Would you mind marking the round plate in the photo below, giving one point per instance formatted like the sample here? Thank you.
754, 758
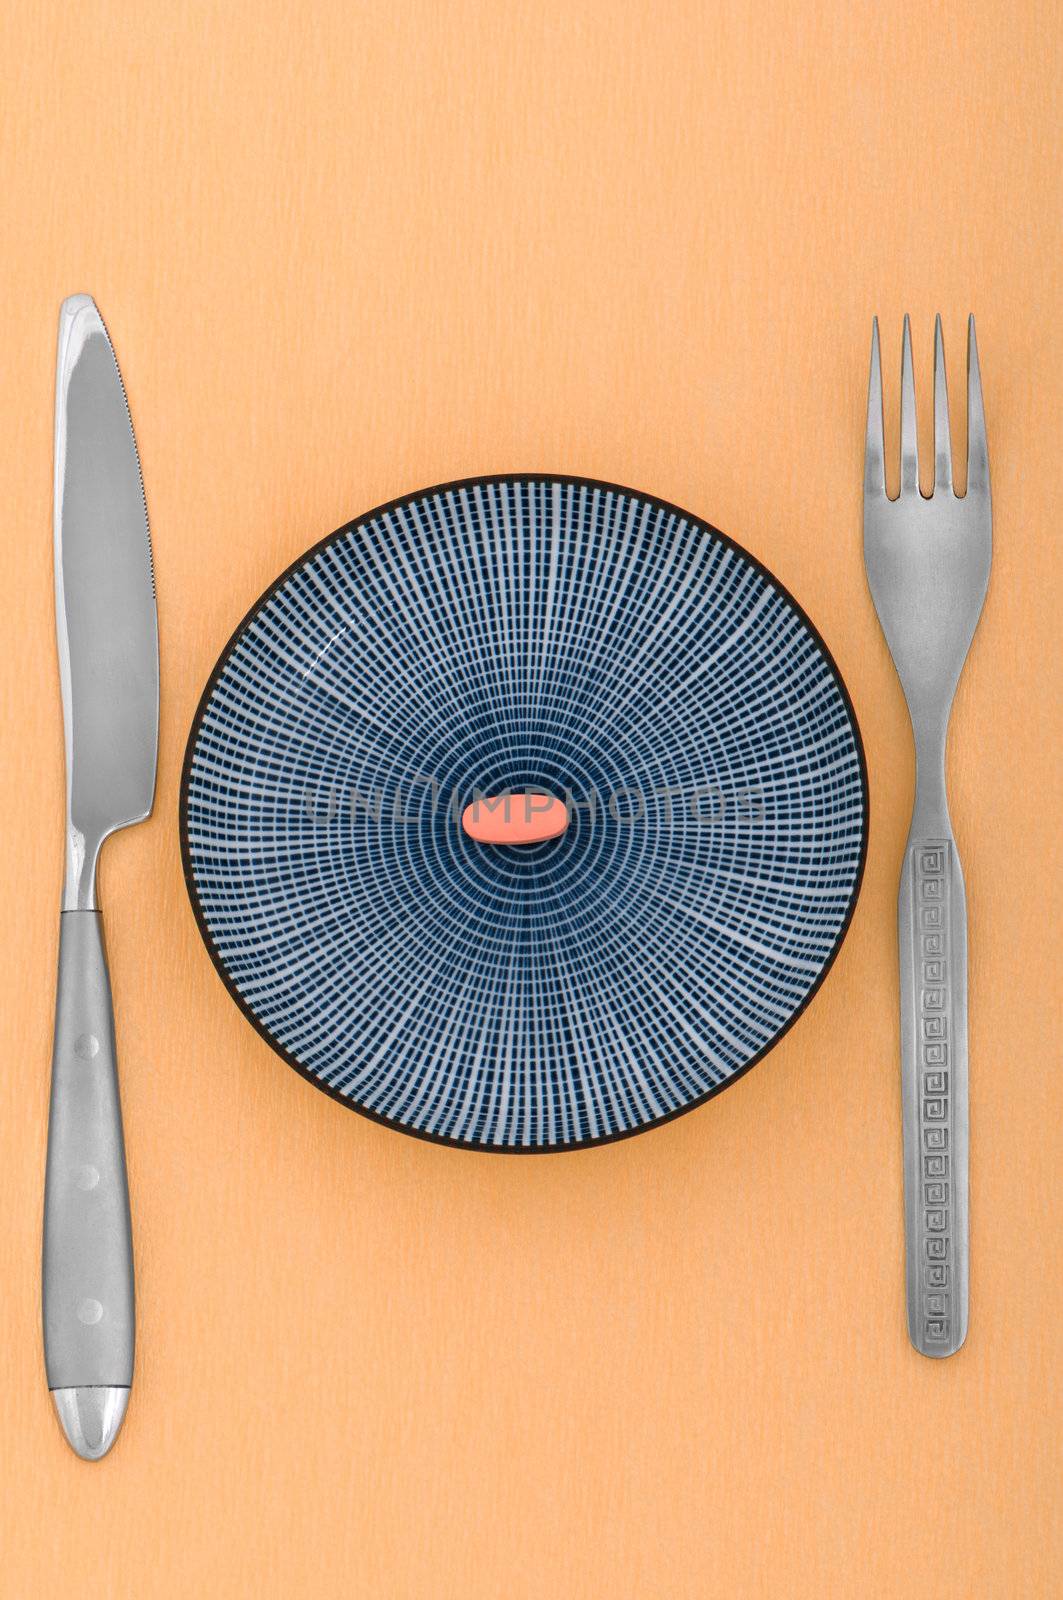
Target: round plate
524, 635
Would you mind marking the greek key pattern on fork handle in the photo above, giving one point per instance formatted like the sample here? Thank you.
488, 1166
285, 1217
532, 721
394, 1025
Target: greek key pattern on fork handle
934, 1057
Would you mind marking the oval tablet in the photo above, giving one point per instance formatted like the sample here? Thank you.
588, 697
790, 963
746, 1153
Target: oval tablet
515, 818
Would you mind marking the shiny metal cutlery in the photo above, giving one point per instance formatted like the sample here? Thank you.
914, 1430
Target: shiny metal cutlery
927, 561
109, 670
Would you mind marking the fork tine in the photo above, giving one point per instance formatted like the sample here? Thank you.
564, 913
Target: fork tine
977, 448
909, 439
942, 437
875, 451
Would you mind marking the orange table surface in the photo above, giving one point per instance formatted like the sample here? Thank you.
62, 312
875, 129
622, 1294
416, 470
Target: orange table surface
346, 251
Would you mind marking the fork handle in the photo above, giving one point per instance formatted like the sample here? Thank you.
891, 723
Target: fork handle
933, 972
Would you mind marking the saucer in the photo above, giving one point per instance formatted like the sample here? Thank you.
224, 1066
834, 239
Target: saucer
687, 813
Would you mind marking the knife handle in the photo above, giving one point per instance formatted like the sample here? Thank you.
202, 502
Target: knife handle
87, 1269
933, 971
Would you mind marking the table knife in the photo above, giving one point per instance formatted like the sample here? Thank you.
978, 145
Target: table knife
108, 647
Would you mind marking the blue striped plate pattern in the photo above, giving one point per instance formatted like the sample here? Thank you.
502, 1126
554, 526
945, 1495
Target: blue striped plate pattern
511, 634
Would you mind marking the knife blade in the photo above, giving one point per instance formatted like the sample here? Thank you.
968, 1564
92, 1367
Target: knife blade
107, 637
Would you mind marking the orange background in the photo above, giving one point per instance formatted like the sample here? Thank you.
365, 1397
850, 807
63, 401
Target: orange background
346, 251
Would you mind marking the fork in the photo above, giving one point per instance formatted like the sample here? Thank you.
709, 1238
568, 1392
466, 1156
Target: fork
927, 561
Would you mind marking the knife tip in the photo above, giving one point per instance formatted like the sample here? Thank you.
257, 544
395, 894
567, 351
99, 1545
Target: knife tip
78, 309
91, 1417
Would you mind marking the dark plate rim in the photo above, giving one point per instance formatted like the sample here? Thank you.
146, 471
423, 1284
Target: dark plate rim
219, 667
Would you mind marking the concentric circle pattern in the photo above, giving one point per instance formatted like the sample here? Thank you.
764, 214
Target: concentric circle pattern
510, 635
